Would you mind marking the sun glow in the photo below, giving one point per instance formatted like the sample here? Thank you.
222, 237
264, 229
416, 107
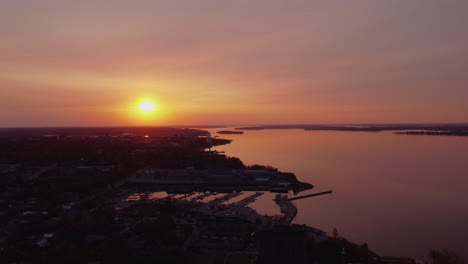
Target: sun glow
146, 106
144, 111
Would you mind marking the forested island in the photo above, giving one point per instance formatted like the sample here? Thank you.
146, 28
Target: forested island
407, 129
228, 132
433, 133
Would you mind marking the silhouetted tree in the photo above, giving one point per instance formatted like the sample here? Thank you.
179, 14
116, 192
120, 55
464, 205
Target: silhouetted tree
335, 233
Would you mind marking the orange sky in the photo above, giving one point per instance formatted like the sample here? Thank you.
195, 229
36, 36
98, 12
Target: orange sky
78, 63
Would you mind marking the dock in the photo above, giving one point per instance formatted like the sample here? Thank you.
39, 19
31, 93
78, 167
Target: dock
225, 198
249, 199
201, 196
185, 196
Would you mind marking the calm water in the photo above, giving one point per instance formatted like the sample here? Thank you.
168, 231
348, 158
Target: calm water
401, 194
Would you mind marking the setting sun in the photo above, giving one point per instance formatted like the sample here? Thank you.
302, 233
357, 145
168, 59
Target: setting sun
144, 110
146, 106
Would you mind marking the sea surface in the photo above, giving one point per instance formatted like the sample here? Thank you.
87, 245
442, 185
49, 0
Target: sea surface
403, 195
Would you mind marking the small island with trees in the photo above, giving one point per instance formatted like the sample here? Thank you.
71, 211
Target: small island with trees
231, 132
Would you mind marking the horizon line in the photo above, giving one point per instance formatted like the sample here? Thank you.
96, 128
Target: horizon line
230, 125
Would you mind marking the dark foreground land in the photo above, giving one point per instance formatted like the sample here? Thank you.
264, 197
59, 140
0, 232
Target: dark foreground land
138, 195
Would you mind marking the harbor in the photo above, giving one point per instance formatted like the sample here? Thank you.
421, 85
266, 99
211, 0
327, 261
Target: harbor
221, 204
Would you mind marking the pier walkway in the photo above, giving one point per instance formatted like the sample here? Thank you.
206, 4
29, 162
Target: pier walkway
185, 196
287, 208
249, 199
201, 196
225, 198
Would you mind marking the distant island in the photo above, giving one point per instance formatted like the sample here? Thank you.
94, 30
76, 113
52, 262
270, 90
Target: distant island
407, 129
433, 133
230, 132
